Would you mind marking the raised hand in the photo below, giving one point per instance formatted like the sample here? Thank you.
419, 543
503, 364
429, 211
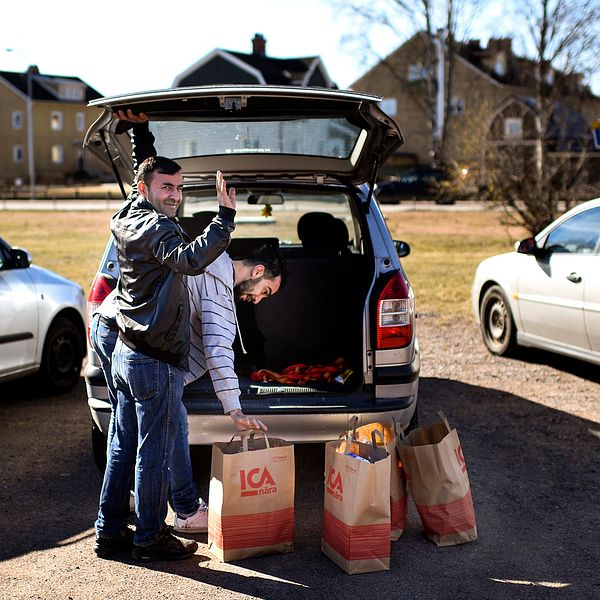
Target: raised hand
224, 197
130, 116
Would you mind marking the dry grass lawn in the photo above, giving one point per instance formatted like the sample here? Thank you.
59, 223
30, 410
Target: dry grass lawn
446, 247
69, 243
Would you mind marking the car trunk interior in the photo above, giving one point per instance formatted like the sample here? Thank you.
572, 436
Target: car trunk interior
316, 318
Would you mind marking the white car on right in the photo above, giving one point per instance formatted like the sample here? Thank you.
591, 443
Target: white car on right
546, 294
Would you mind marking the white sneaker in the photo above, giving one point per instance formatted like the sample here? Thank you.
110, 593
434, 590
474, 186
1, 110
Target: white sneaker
196, 523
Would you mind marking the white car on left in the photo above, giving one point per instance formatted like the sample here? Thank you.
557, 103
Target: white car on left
42, 323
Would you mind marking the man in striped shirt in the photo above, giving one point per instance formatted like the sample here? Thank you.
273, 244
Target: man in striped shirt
214, 322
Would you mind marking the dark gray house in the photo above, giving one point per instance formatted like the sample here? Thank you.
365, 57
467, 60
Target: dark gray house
224, 66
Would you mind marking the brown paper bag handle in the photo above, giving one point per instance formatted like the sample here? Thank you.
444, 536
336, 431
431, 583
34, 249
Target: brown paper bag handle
248, 433
377, 434
352, 425
400, 430
445, 420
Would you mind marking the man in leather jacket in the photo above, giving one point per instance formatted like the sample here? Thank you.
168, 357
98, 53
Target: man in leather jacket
151, 354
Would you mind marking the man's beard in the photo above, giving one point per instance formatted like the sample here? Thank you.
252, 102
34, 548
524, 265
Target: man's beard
245, 287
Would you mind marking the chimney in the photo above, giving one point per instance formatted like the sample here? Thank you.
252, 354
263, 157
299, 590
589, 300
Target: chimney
258, 44
500, 44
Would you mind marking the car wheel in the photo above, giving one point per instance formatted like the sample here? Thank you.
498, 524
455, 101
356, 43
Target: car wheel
62, 357
497, 324
99, 443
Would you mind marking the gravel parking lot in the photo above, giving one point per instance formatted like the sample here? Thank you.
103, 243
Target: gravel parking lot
530, 431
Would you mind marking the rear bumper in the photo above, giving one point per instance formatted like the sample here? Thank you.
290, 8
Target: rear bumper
296, 419
299, 428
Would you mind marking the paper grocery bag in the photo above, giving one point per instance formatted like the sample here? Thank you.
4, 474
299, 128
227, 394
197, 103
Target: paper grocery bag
356, 515
398, 498
438, 482
251, 498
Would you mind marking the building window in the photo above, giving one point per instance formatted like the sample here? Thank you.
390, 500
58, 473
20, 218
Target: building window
513, 128
389, 106
80, 121
56, 120
500, 67
17, 119
416, 72
71, 92
457, 105
18, 153
57, 155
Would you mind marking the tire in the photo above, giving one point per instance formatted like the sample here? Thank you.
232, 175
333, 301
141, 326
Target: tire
61, 358
497, 323
99, 443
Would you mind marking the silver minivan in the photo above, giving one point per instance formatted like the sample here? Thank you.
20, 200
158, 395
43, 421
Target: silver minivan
304, 162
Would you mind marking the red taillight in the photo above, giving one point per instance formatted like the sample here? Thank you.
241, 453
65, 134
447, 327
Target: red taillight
395, 313
99, 290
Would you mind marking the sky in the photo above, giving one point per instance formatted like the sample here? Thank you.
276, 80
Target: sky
143, 45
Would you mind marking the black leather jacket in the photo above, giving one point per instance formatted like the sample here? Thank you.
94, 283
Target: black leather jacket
155, 257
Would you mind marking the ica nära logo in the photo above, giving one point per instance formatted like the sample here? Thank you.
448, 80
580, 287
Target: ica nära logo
334, 484
257, 482
461, 459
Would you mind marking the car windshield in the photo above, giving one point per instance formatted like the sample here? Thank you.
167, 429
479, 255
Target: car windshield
326, 137
257, 218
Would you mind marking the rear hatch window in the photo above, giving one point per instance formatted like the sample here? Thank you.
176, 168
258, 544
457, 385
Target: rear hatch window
329, 138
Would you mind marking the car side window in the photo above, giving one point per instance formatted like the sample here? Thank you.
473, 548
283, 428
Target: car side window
579, 235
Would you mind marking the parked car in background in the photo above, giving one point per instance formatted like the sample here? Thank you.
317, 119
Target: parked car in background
42, 318
301, 161
546, 294
420, 183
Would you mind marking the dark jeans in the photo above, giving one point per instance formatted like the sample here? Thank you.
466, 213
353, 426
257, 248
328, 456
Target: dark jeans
150, 415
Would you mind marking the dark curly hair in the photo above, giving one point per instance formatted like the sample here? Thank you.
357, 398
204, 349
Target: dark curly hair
272, 260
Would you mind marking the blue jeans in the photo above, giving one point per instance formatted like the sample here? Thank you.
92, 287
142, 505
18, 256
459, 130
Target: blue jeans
121, 454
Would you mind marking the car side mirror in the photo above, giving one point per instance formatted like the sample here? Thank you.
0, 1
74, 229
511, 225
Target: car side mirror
527, 246
402, 248
21, 259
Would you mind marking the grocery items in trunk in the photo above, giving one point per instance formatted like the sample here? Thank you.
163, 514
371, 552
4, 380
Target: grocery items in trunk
303, 374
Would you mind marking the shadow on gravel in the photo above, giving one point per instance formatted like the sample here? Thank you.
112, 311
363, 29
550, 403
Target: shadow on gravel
579, 368
534, 473
49, 485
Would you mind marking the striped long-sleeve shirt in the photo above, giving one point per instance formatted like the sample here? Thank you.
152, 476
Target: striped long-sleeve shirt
213, 327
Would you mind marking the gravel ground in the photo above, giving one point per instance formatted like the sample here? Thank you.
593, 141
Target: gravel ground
530, 431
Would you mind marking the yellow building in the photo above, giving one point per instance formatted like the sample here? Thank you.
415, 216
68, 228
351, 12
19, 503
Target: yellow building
43, 119
490, 84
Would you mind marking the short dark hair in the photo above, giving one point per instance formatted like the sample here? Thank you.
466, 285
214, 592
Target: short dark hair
156, 164
272, 260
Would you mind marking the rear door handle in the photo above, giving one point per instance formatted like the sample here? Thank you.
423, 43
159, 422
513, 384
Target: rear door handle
574, 278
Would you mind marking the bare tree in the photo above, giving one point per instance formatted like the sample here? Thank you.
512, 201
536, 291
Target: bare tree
439, 22
546, 172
